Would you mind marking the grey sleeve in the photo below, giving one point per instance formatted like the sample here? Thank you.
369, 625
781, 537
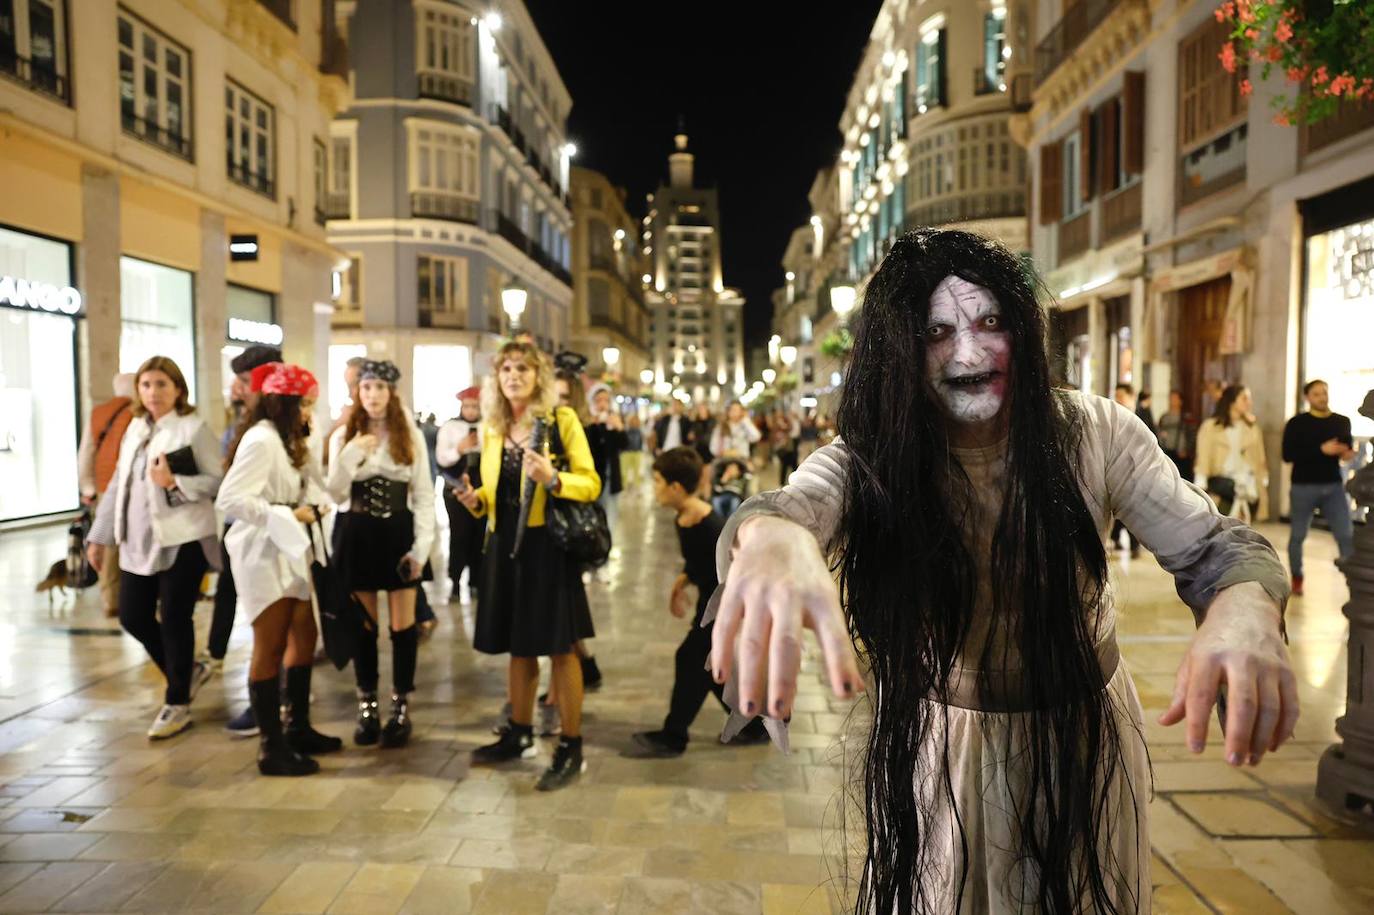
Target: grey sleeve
1178, 522
103, 524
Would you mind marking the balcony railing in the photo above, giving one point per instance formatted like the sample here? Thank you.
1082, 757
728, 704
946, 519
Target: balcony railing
1068, 33
240, 174
281, 9
1350, 118
982, 85
320, 216
334, 55
1075, 236
157, 135
338, 205
445, 87
1121, 212
1021, 88
601, 262
501, 118
969, 207
1214, 166
517, 137
430, 316
347, 314
36, 76
507, 229
444, 206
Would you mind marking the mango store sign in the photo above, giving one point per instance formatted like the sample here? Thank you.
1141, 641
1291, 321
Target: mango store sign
255, 332
22, 293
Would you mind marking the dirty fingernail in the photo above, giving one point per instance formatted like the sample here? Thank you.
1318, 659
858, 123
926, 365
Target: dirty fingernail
1233, 758
749, 707
1195, 746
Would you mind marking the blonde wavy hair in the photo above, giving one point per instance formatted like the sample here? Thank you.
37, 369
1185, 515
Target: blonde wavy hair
496, 408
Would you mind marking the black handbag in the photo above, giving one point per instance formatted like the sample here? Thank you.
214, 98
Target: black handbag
1224, 488
579, 529
342, 617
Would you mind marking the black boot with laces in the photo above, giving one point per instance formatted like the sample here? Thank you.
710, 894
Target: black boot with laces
568, 764
396, 731
516, 742
369, 721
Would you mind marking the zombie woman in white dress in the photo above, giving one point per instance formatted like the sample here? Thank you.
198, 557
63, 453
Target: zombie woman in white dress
272, 490
965, 509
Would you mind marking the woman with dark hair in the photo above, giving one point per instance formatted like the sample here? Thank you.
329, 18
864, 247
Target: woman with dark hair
161, 514
379, 477
965, 507
1230, 461
699, 428
272, 490
529, 606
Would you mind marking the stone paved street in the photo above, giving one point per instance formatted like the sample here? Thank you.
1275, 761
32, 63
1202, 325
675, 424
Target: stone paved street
95, 819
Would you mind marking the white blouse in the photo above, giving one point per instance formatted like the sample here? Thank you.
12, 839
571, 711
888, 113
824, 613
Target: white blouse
348, 463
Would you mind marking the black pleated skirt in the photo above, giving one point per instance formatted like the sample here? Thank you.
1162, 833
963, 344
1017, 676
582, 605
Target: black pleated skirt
532, 606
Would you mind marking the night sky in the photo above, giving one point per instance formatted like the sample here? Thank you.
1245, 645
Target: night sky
762, 97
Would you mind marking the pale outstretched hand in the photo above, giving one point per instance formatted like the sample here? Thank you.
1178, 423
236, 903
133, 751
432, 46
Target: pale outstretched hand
778, 584
1238, 646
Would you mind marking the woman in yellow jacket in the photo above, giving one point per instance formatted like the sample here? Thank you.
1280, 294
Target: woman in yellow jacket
1230, 461
534, 604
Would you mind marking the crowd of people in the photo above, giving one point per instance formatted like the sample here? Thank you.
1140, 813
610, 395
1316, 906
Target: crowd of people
277, 496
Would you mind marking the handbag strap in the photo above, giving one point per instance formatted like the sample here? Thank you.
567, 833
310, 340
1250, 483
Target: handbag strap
324, 541
556, 440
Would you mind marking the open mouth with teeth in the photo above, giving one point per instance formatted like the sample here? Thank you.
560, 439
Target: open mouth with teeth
971, 381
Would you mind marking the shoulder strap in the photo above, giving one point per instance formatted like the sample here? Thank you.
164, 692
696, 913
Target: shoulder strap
100, 439
556, 437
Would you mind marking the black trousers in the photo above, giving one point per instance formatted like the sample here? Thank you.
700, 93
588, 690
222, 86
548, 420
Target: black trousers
692, 682
466, 534
168, 637
226, 601
1117, 528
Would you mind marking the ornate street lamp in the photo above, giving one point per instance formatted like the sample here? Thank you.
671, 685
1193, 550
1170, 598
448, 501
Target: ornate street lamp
788, 355
842, 301
513, 299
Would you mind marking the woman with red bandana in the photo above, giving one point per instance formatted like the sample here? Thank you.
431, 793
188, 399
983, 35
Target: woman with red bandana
272, 490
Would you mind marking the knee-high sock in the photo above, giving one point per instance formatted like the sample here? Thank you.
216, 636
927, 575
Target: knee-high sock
405, 647
365, 662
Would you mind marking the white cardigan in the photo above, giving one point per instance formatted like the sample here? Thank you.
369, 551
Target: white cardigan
269, 550
193, 519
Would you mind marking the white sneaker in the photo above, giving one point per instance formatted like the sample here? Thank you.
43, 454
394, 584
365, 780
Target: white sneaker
203, 671
172, 720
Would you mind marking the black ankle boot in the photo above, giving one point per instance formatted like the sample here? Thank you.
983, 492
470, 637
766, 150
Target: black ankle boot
275, 756
369, 723
304, 739
591, 674
567, 766
517, 742
396, 731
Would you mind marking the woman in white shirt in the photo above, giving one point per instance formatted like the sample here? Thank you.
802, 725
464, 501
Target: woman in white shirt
379, 477
736, 436
273, 480
162, 517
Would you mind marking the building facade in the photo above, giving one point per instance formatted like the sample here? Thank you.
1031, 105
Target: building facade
608, 264
160, 193
448, 183
1188, 238
697, 325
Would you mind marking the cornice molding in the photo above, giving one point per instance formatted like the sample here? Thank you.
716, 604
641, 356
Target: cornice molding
1126, 28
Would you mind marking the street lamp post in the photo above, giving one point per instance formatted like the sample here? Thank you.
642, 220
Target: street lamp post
513, 299
611, 356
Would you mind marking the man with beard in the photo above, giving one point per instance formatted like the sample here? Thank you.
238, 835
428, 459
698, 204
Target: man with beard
965, 505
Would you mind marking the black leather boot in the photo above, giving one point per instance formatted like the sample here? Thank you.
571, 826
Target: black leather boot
396, 731
299, 734
369, 722
275, 756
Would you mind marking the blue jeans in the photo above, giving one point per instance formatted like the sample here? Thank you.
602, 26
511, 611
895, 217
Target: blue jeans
1335, 506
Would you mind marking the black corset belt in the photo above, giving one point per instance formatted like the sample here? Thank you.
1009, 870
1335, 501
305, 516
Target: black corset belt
379, 497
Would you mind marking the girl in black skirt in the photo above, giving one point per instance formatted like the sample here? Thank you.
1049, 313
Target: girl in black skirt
534, 604
379, 476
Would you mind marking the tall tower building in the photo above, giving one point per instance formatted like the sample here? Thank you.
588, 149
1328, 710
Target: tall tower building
698, 323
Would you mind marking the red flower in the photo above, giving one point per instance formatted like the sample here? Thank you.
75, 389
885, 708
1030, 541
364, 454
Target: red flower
1320, 76
1345, 83
1296, 74
1246, 88
1228, 57
1275, 53
1252, 34
1283, 31
1282, 119
1244, 12
1221, 16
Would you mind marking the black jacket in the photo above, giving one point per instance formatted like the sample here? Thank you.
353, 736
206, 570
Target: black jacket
606, 445
661, 430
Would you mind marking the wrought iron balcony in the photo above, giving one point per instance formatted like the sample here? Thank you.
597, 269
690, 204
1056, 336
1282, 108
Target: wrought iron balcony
241, 174
36, 76
1075, 236
445, 86
982, 85
501, 118
1068, 33
1121, 212
507, 229
338, 205
157, 135
445, 206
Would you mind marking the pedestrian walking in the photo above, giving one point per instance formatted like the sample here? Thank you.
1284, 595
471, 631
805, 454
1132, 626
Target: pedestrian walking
533, 601
1315, 443
458, 450
1175, 437
97, 457
632, 458
676, 475
606, 437
379, 478
735, 435
700, 429
965, 506
1230, 461
671, 429
162, 518
272, 490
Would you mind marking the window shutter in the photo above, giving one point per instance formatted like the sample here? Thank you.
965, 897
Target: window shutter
1133, 119
1108, 122
1051, 182
942, 70
1086, 147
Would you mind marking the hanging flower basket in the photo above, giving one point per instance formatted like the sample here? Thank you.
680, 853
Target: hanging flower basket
1324, 47
837, 343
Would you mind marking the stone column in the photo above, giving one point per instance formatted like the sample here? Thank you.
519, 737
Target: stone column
97, 276
211, 323
1345, 775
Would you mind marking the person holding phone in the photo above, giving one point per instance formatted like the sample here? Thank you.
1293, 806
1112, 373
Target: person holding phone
458, 452
379, 478
162, 517
272, 490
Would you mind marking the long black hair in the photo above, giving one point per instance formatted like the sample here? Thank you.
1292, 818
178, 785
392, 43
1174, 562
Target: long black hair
909, 581
283, 411
1222, 412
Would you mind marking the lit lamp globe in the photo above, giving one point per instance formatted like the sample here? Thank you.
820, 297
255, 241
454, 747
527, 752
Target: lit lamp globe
842, 300
610, 355
646, 377
513, 299
769, 376
788, 354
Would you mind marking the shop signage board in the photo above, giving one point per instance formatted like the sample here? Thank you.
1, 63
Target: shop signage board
21, 293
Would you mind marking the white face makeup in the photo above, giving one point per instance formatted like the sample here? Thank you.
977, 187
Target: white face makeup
969, 351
